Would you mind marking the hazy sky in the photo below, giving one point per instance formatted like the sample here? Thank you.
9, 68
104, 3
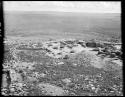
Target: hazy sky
65, 6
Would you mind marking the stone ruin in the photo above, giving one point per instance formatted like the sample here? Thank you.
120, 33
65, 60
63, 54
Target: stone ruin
65, 48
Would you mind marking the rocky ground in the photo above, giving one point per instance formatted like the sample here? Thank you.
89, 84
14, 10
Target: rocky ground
62, 68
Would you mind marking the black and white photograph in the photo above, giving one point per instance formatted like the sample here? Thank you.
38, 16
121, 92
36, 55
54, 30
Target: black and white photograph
62, 48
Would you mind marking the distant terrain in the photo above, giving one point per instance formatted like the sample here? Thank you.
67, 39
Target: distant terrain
63, 25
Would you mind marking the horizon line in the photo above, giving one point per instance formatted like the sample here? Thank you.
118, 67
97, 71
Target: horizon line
59, 11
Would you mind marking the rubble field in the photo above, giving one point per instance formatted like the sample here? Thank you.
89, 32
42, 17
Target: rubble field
62, 68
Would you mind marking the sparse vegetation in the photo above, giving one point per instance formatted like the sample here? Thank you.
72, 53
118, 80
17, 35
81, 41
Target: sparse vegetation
75, 74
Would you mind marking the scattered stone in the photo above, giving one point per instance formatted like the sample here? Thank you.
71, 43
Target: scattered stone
93, 88
112, 55
72, 51
66, 57
74, 64
53, 50
66, 80
77, 49
118, 62
66, 49
31, 79
51, 90
60, 63
118, 47
91, 44
42, 75
55, 47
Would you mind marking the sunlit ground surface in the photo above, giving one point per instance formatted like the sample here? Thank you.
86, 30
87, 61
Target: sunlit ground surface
33, 72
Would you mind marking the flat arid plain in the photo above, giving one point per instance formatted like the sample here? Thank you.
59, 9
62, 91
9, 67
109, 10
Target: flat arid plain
62, 54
